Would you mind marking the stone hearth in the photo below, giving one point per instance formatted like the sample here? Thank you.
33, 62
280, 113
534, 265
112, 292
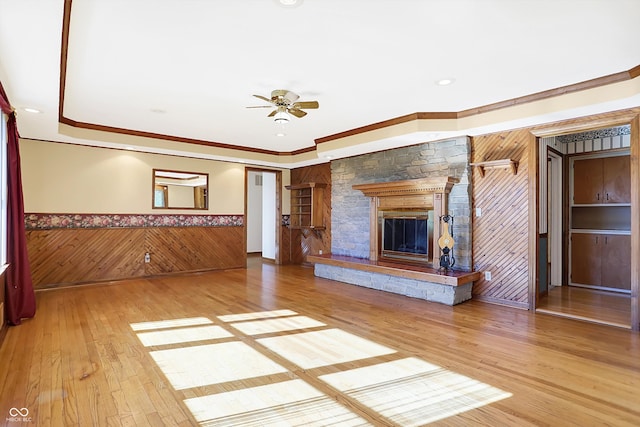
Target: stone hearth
423, 280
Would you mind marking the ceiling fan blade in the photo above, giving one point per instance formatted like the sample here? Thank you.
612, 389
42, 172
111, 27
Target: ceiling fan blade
306, 104
260, 106
296, 112
264, 98
273, 113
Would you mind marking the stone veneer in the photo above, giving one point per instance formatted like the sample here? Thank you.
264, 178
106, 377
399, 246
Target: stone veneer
350, 208
350, 213
434, 292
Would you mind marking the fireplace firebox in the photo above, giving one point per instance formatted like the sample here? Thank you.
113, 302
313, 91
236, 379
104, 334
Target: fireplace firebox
406, 235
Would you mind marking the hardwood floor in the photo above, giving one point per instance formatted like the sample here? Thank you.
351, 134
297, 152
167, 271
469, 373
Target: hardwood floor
609, 308
273, 345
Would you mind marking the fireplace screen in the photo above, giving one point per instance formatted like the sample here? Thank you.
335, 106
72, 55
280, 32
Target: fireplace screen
406, 235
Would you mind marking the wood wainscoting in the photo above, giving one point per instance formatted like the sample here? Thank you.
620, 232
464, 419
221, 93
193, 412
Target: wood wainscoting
311, 242
72, 256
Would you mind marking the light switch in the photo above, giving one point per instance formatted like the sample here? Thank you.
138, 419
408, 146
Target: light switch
478, 212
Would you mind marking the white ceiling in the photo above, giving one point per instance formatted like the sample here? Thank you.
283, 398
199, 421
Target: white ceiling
188, 69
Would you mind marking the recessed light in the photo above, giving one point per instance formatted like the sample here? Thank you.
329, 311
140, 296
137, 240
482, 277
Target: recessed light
158, 110
281, 134
289, 3
445, 82
32, 110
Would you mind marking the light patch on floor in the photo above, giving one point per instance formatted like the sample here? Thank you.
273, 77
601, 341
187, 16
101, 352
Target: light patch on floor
288, 403
175, 323
196, 366
183, 335
258, 327
322, 348
412, 392
256, 315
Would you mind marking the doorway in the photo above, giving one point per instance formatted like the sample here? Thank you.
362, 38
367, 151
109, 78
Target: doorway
263, 206
555, 213
557, 293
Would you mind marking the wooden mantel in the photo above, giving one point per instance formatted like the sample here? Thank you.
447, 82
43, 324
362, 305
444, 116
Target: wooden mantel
423, 193
407, 187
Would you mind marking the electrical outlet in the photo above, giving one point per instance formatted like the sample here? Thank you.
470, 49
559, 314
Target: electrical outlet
147, 257
487, 275
478, 212
320, 252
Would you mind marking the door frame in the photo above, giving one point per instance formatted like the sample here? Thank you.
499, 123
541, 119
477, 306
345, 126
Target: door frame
278, 205
617, 118
555, 215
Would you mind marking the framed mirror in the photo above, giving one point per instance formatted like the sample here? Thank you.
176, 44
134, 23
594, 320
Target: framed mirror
180, 190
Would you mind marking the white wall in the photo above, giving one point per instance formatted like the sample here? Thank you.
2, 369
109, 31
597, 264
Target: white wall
269, 215
254, 213
66, 178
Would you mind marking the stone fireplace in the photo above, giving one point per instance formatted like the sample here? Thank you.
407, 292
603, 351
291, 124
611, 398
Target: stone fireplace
407, 212
356, 231
404, 228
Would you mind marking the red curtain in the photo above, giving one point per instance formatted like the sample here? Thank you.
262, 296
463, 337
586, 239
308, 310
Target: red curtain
20, 299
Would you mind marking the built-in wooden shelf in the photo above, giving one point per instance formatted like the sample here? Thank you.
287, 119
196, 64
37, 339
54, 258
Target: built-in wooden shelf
497, 164
306, 205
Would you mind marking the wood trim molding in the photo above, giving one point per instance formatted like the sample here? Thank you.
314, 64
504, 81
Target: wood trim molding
589, 84
407, 187
539, 96
427, 274
635, 223
532, 228
413, 193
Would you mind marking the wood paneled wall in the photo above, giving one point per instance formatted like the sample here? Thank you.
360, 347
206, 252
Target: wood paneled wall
500, 234
71, 256
305, 242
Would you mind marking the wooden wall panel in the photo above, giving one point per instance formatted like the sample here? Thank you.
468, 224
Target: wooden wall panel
177, 249
70, 256
305, 242
500, 234
285, 245
64, 256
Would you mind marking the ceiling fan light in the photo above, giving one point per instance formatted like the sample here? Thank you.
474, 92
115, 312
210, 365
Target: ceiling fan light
281, 118
289, 3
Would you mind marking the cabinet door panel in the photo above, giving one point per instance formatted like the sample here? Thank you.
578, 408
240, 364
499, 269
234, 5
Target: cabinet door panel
585, 259
616, 261
587, 181
617, 179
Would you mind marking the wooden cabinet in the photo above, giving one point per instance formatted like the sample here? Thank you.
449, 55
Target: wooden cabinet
601, 222
602, 180
601, 260
306, 205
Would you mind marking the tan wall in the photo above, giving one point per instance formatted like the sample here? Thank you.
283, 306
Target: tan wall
66, 178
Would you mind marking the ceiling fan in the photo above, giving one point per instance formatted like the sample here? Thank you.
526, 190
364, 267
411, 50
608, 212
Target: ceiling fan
285, 102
